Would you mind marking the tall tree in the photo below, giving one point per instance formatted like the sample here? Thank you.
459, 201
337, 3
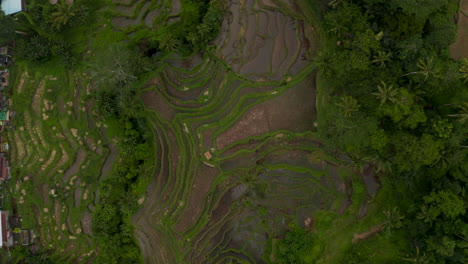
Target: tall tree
463, 113
112, 66
427, 67
464, 69
381, 58
63, 14
348, 105
386, 93
7, 28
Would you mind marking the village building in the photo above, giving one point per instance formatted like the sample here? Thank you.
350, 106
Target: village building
4, 79
6, 56
6, 239
4, 114
4, 147
11, 7
5, 173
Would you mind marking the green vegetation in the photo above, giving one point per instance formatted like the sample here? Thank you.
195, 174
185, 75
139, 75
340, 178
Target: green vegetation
298, 246
105, 81
207, 132
388, 68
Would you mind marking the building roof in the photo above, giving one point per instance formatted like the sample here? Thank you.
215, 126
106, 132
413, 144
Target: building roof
12, 6
4, 170
3, 60
4, 114
3, 228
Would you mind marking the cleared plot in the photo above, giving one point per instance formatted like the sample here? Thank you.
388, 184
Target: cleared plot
294, 110
262, 43
142, 13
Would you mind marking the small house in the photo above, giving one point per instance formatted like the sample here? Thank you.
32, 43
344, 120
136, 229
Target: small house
4, 147
11, 7
4, 79
4, 169
6, 56
27, 237
6, 239
4, 114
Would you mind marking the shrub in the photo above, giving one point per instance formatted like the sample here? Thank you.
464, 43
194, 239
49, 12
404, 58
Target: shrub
298, 246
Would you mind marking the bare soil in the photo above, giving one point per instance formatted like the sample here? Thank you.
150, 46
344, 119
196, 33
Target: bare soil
80, 157
37, 97
363, 236
155, 102
294, 110
459, 49
200, 188
107, 167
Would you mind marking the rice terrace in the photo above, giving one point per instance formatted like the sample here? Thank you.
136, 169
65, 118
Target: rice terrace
237, 131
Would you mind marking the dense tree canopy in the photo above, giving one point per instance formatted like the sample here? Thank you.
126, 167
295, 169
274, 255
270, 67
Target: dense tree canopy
391, 58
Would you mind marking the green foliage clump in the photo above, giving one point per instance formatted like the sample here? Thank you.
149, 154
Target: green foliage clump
56, 18
200, 23
115, 70
24, 255
442, 128
379, 140
7, 30
298, 246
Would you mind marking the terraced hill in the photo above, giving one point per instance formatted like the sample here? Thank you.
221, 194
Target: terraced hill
131, 15
59, 152
236, 156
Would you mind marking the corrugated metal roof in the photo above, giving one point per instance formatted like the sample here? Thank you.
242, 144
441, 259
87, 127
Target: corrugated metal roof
11, 6
2, 227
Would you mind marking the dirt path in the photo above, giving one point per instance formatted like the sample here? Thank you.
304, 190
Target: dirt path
19, 88
459, 49
107, 167
37, 97
80, 157
362, 236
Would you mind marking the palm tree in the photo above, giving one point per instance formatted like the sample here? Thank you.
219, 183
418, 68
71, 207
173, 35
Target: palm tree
425, 214
463, 114
380, 164
193, 38
358, 162
167, 42
443, 160
385, 93
417, 257
464, 69
65, 12
203, 31
336, 3
393, 219
381, 58
348, 105
427, 67
323, 61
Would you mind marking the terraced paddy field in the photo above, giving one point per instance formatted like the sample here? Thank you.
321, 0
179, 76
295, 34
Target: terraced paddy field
58, 152
237, 158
